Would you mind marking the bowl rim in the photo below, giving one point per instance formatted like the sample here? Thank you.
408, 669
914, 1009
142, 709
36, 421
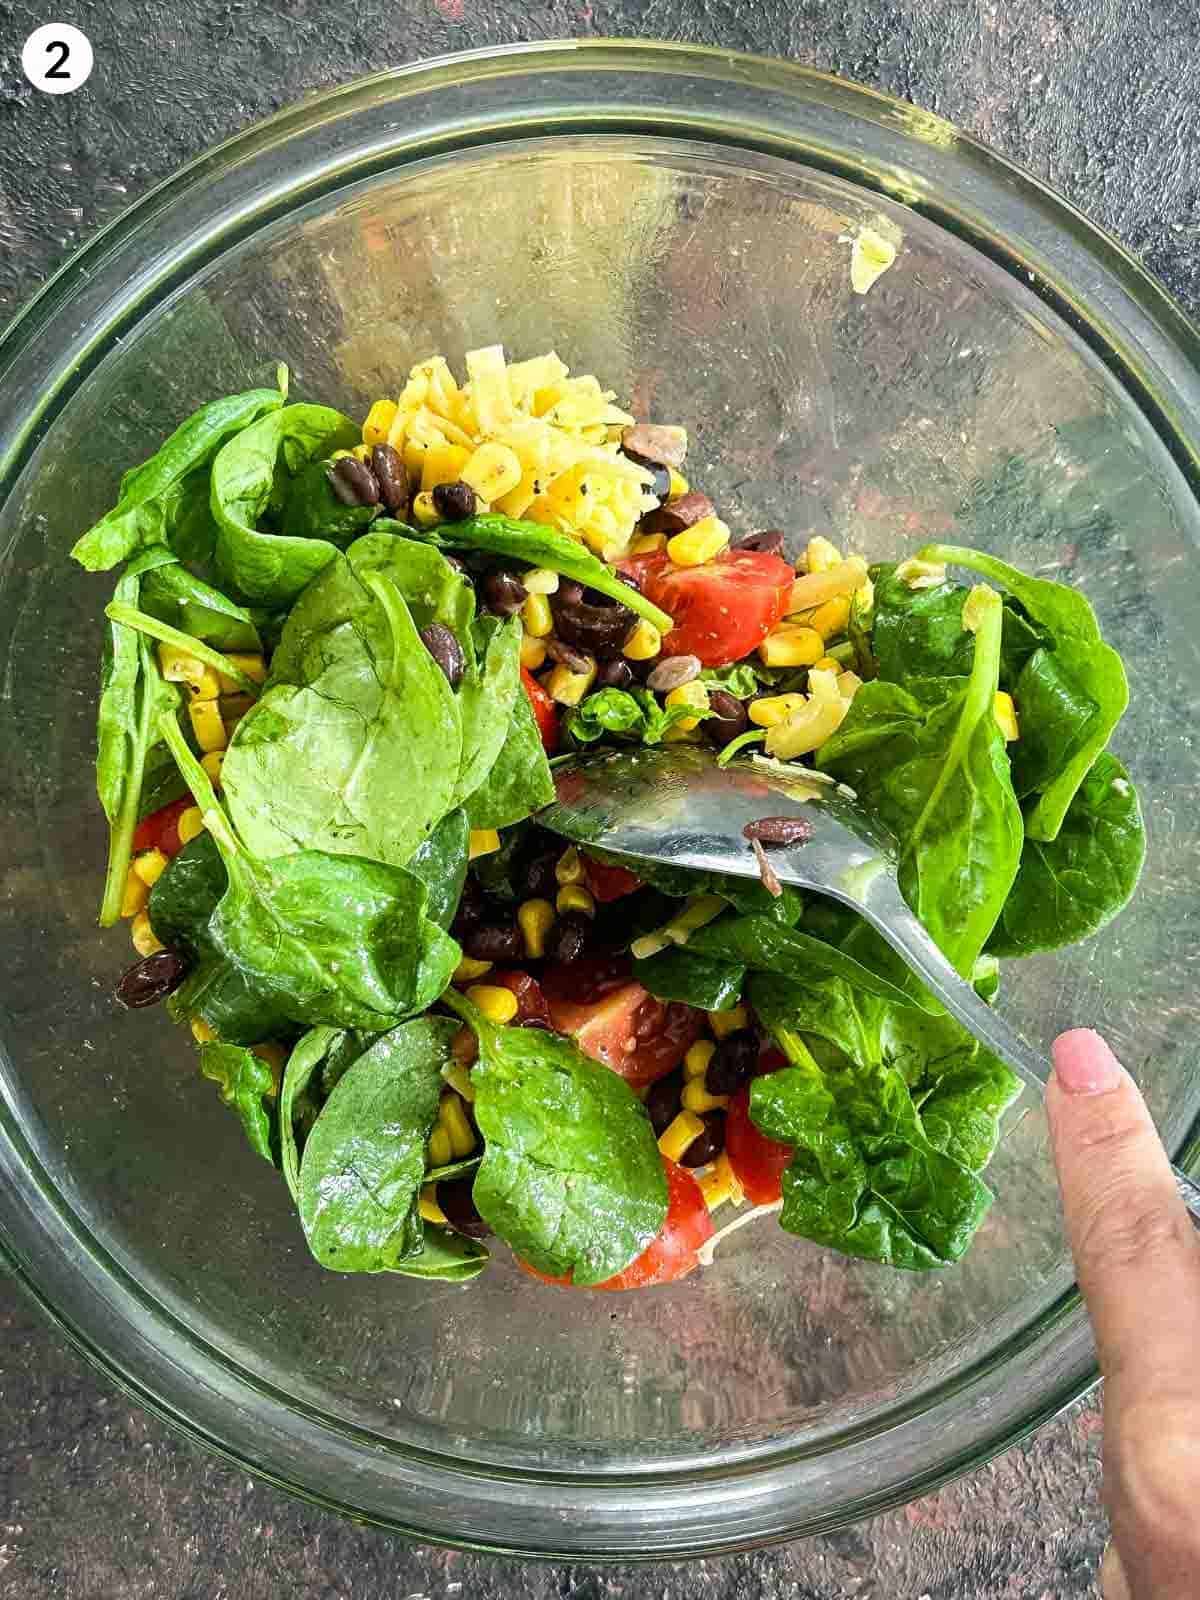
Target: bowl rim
1126, 316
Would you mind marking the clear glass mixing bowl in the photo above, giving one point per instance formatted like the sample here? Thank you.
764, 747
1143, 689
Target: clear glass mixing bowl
677, 221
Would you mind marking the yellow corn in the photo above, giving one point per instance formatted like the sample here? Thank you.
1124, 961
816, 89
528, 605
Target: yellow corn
248, 662
696, 1097
212, 764
537, 616
482, 842
773, 708
443, 463
379, 422
498, 1004
679, 485
459, 1078
574, 897
644, 643
145, 941
201, 1031
190, 825
440, 1152
535, 918
134, 895
533, 653
569, 866
150, 865
208, 687
427, 1203
699, 543
724, 1023
424, 513
688, 694
832, 617
827, 664
492, 471
820, 555
1006, 716
209, 729
720, 1183
568, 688
177, 666
468, 969
679, 1133
695, 1063
457, 1124
540, 580
791, 646
647, 544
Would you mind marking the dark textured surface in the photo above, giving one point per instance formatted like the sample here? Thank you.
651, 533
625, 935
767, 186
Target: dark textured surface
98, 1501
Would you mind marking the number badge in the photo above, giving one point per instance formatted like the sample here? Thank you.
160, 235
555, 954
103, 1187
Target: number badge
57, 58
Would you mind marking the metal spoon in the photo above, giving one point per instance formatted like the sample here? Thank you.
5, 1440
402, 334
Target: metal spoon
675, 805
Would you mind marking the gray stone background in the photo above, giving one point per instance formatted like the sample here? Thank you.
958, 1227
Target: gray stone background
98, 1501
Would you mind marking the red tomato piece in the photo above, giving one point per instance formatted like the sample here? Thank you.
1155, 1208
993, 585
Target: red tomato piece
545, 712
607, 882
614, 1020
670, 1255
531, 1002
160, 830
724, 609
758, 1162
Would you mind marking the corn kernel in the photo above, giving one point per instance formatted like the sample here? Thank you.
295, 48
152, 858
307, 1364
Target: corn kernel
827, 664
457, 1124
379, 422
820, 555
537, 616
427, 1204
190, 825
569, 867
498, 1004
150, 865
773, 708
443, 463
540, 580
248, 662
648, 544
424, 513
1005, 713
695, 1063
178, 666
688, 694
723, 1023
482, 842
145, 941
468, 969
212, 764
492, 471
201, 1031
568, 688
695, 1097
134, 895
831, 618
533, 653
644, 643
209, 729
207, 687
535, 918
791, 646
459, 1077
720, 1183
679, 1133
679, 485
439, 1152
699, 543
574, 897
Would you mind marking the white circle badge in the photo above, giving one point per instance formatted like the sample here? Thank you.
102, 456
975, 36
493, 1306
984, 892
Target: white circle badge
57, 58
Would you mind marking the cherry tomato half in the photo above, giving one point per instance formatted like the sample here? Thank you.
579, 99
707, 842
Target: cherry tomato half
758, 1162
724, 609
608, 882
531, 1002
545, 712
614, 1020
160, 830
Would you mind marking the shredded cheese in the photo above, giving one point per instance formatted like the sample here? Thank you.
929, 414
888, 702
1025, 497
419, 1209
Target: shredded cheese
708, 1249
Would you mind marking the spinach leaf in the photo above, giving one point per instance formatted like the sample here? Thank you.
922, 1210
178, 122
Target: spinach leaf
359, 755
433, 590
164, 491
364, 1160
1069, 887
633, 714
143, 622
520, 782
864, 1178
331, 939
486, 700
571, 1176
268, 567
739, 680
311, 510
161, 782
176, 596
445, 1255
440, 862
132, 697
828, 1008
745, 895
295, 1102
677, 974
919, 633
930, 761
766, 946
1071, 693
453, 1169
245, 1083
498, 872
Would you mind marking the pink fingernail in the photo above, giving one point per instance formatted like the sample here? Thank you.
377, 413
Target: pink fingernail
1083, 1063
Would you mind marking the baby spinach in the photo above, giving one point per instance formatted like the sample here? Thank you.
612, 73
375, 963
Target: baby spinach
766, 946
634, 714
164, 491
245, 1083
819, 1008
740, 680
440, 862
173, 594
332, 939
1069, 887
520, 781
677, 974
143, 622
364, 1160
296, 1102
262, 566
571, 1176
311, 510
486, 698
930, 760
1071, 693
445, 1255
919, 633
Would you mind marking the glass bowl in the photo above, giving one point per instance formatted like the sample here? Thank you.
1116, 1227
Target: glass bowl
679, 222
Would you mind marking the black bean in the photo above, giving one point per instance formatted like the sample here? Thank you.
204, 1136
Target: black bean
567, 655
569, 937
679, 514
663, 1102
615, 673
536, 874
390, 476
769, 542
353, 483
152, 979
569, 590
779, 830
454, 501
729, 718
458, 1206
732, 1063
503, 593
446, 651
472, 908
599, 628
673, 673
706, 1146
649, 1019
494, 941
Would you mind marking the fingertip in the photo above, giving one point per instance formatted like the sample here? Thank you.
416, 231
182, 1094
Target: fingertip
1084, 1063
